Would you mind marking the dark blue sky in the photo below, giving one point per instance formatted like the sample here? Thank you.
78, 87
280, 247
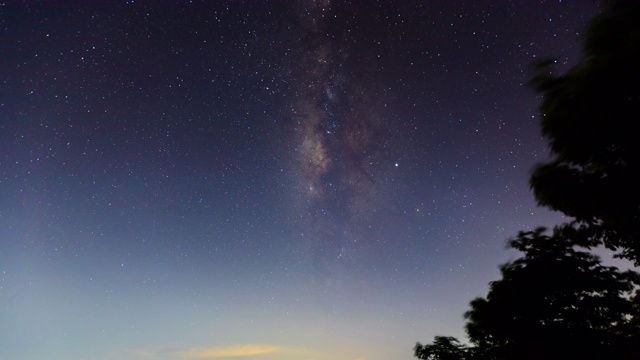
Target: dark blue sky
289, 180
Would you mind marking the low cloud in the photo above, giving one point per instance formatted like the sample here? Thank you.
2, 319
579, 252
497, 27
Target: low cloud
228, 351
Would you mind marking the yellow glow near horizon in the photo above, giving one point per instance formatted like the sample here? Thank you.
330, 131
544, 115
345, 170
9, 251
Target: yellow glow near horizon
228, 351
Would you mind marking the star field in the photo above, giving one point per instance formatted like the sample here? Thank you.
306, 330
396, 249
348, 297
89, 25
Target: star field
289, 180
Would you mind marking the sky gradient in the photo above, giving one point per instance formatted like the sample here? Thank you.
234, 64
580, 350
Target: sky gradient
283, 180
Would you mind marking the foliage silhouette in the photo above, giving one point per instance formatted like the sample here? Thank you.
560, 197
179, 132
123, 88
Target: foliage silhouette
589, 116
557, 302
442, 348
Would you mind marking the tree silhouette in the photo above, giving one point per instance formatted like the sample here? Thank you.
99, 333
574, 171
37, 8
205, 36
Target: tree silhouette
442, 348
589, 115
557, 302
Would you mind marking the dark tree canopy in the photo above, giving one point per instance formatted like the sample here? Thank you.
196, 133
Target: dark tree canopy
557, 302
442, 348
590, 117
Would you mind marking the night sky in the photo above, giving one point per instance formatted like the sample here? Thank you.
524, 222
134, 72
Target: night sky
308, 180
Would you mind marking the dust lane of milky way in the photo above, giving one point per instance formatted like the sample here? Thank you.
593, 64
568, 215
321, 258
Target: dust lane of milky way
340, 131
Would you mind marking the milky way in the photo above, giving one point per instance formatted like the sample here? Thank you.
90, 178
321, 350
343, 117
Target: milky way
338, 118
